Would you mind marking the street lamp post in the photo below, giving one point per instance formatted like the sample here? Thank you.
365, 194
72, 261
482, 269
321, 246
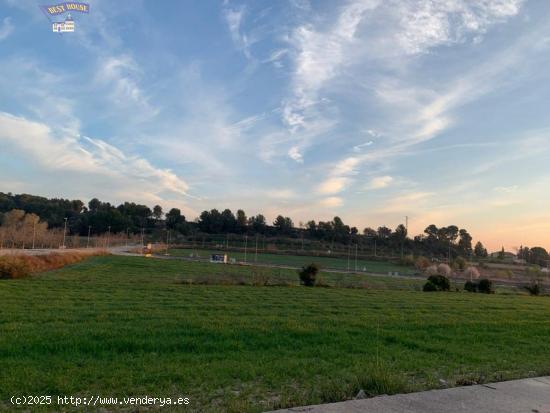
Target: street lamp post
64, 232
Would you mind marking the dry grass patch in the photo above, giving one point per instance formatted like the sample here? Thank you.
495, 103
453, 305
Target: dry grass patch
20, 266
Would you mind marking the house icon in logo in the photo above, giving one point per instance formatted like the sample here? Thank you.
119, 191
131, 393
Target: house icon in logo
64, 27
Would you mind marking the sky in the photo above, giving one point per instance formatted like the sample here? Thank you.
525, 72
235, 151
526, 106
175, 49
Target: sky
371, 110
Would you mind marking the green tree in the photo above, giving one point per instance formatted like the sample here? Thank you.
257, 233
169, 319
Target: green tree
258, 224
480, 251
157, 212
241, 221
175, 220
465, 243
539, 256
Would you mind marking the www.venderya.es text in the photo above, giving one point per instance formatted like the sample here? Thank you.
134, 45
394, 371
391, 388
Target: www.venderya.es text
96, 400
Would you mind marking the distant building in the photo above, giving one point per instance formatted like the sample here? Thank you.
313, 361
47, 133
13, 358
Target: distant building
64, 27
508, 256
219, 258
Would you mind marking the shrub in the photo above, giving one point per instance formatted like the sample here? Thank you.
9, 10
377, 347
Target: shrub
472, 273
444, 269
429, 286
441, 282
422, 263
14, 267
485, 286
308, 274
470, 286
533, 288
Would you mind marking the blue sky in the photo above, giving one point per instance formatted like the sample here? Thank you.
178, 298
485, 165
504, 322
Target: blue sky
370, 110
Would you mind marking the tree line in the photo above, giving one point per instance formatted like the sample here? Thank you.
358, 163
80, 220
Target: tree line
99, 217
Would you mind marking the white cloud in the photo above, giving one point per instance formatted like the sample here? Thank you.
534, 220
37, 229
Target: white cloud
120, 76
380, 182
6, 28
358, 148
295, 154
319, 56
38, 92
234, 19
355, 42
346, 166
332, 185
281, 194
424, 24
339, 177
94, 159
332, 202
276, 56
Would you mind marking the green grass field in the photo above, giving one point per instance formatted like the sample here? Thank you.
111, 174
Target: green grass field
298, 260
117, 326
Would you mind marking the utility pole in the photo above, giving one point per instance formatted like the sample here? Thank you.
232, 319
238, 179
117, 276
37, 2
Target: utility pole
88, 239
127, 236
142, 244
375, 248
64, 232
167, 240
245, 245
108, 235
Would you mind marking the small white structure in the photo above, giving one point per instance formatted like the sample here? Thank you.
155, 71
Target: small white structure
64, 27
219, 258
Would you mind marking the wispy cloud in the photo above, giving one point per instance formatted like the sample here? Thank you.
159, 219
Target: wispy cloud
53, 150
332, 202
120, 76
6, 28
380, 182
333, 185
234, 18
318, 58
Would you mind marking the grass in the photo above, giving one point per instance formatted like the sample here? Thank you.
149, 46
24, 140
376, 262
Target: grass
122, 326
301, 260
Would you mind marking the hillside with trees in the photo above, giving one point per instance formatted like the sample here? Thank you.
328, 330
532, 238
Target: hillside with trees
97, 218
